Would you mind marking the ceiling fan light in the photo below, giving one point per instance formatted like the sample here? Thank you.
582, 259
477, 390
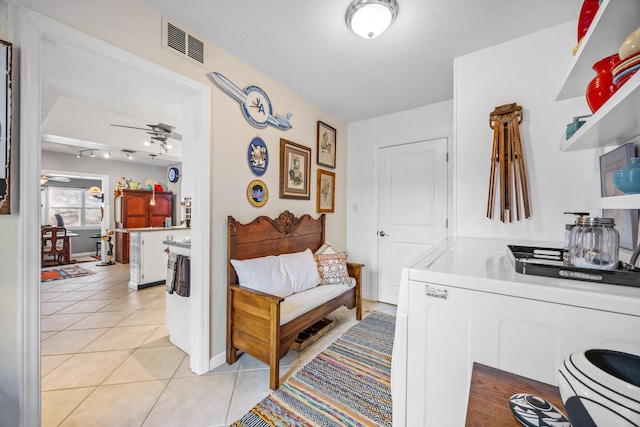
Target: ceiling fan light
107, 154
79, 154
370, 18
92, 154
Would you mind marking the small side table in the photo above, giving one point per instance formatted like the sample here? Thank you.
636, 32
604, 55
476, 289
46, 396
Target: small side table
489, 396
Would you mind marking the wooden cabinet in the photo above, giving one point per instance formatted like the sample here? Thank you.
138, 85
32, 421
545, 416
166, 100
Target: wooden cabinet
133, 210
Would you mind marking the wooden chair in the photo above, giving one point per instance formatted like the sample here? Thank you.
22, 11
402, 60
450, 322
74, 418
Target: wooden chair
55, 243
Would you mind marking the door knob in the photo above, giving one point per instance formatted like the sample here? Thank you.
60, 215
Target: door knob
382, 234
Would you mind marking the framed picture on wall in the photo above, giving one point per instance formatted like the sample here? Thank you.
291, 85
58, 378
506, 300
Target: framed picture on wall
295, 170
326, 155
326, 196
5, 125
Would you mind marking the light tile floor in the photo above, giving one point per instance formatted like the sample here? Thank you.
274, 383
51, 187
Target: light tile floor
107, 359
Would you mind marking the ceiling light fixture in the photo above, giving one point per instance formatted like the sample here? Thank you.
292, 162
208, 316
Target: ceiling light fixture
370, 18
106, 153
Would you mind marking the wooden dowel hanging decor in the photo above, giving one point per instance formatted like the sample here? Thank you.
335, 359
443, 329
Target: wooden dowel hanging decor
507, 164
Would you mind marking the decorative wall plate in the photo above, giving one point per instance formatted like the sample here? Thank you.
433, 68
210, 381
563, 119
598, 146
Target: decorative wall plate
174, 174
255, 104
258, 156
257, 108
257, 193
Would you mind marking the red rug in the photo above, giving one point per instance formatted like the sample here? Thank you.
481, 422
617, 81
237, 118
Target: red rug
64, 273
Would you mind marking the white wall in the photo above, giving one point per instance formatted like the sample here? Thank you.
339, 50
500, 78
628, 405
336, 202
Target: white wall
365, 137
529, 71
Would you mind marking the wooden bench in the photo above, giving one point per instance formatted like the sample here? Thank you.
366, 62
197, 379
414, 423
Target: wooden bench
253, 317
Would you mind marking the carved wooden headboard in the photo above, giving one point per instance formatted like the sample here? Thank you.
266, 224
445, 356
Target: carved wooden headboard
265, 236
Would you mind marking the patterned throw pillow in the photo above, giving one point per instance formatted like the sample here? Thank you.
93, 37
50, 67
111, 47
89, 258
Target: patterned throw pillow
332, 268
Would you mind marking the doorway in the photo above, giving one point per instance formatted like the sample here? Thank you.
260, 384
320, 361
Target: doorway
35, 32
412, 207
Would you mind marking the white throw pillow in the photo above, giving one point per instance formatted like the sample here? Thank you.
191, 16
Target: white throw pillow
301, 269
325, 249
263, 274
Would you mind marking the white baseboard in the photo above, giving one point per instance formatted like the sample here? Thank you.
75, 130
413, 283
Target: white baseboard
217, 360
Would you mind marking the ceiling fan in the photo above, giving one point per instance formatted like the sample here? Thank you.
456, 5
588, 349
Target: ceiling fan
159, 133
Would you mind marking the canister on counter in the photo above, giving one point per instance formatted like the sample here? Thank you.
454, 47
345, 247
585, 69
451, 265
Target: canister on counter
594, 243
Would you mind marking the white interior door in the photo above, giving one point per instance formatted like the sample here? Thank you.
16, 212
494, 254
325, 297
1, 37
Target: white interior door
412, 207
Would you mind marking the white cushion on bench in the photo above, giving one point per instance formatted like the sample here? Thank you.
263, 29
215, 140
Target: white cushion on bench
295, 305
301, 270
263, 274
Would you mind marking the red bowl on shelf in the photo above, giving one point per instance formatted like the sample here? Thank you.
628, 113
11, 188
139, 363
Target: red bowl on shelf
600, 89
587, 13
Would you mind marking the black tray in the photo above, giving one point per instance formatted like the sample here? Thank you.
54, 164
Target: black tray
540, 261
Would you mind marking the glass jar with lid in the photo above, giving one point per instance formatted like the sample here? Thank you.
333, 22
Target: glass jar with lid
594, 243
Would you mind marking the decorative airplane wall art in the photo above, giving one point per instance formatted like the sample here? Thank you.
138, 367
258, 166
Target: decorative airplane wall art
255, 104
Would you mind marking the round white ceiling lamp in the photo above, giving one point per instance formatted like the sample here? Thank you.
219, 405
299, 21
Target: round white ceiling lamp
370, 18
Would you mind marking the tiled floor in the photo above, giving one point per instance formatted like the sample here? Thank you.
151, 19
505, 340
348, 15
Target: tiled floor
107, 359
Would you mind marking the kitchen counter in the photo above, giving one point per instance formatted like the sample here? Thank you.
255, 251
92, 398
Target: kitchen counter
184, 243
146, 229
146, 254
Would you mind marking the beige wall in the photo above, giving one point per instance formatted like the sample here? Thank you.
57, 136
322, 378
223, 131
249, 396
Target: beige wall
135, 27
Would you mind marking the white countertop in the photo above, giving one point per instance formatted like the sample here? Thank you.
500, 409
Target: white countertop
484, 265
184, 242
147, 229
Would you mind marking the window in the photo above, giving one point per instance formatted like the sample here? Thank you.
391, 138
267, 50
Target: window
77, 207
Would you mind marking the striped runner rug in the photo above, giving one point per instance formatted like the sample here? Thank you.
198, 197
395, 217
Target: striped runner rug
348, 384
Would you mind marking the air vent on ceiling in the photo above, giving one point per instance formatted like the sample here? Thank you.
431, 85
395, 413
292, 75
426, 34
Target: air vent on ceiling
183, 42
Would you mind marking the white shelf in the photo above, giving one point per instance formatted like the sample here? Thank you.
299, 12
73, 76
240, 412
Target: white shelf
629, 201
615, 20
615, 123
618, 120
